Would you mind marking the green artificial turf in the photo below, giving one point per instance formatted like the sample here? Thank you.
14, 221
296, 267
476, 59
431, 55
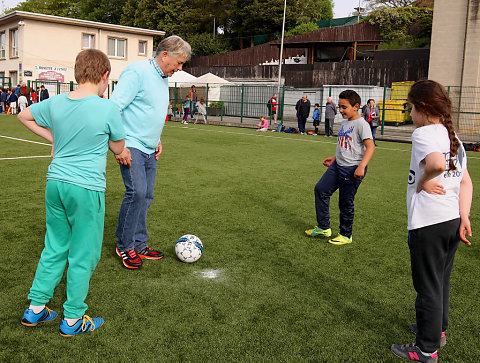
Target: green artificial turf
279, 296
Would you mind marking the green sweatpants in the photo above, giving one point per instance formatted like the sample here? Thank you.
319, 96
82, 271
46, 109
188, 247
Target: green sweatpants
74, 218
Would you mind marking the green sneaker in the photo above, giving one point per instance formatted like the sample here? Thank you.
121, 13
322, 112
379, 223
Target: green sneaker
318, 232
340, 240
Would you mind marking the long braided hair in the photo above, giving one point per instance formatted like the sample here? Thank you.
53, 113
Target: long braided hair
431, 98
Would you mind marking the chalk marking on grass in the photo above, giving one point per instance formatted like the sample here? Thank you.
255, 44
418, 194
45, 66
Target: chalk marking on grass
26, 157
209, 274
33, 142
291, 139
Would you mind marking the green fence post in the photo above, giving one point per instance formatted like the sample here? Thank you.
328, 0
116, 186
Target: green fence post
330, 91
241, 105
175, 104
71, 85
383, 108
283, 102
448, 91
58, 88
206, 102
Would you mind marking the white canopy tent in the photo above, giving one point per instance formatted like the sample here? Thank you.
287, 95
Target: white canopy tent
214, 83
182, 79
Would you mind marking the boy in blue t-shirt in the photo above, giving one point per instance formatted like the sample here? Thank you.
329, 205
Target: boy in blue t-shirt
82, 126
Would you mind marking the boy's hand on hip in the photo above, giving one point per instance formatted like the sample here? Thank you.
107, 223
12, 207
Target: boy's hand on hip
328, 161
124, 158
431, 187
158, 150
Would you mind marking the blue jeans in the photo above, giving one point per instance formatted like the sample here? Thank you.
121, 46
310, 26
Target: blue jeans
337, 177
374, 132
139, 180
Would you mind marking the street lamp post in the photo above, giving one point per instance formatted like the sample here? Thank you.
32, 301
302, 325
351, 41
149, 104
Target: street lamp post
359, 10
281, 49
214, 30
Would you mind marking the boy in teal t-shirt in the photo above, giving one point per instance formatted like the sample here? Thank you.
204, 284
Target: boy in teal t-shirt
82, 126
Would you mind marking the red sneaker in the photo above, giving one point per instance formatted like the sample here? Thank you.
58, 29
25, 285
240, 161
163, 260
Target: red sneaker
150, 254
130, 258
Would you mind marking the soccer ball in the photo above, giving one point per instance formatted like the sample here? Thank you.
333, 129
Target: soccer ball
189, 248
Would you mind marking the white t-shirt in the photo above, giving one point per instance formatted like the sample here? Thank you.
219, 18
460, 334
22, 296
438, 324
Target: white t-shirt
427, 209
202, 110
350, 146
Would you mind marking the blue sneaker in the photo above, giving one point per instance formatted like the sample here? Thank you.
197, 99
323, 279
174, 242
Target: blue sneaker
31, 319
84, 325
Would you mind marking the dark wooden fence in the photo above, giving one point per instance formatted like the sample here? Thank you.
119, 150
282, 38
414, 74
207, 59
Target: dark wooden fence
258, 54
368, 72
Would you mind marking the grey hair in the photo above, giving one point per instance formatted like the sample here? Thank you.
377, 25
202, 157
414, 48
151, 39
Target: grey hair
175, 46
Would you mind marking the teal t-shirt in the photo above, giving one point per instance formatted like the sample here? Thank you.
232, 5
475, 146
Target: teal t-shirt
81, 129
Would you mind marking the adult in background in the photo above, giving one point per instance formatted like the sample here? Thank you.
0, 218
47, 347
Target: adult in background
303, 110
25, 91
3, 99
43, 93
193, 100
372, 116
142, 96
272, 107
330, 112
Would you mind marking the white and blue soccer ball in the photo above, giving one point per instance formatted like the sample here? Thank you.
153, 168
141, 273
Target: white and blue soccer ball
189, 248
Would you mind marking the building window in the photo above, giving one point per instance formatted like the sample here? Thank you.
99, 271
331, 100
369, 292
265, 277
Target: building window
88, 41
142, 47
14, 43
2, 45
117, 47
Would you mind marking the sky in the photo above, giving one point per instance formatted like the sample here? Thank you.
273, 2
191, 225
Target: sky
341, 8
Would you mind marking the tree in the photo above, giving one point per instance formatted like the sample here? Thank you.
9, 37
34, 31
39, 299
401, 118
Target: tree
390, 3
302, 29
407, 27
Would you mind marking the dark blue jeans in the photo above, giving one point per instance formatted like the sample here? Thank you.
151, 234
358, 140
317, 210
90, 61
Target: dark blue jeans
341, 178
374, 133
139, 180
302, 120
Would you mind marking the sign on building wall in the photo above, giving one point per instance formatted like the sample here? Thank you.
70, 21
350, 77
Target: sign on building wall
51, 73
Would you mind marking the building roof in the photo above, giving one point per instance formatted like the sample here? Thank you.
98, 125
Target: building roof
24, 15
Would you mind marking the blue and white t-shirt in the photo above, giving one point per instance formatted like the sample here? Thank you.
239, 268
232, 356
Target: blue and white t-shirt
350, 146
427, 209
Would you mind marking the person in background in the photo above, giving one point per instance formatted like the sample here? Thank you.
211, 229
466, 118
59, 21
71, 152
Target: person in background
330, 112
3, 99
34, 96
25, 91
303, 110
273, 103
187, 102
12, 100
43, 93
22, 102
193, 99
372, 116
263, 125
316, 118
201, 110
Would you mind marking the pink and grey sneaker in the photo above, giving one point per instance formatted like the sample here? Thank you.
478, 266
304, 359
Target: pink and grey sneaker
443, 337
150, 254
130, 258
412, 352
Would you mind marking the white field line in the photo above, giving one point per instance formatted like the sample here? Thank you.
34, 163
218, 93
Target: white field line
33, 142
292, 139
26, 157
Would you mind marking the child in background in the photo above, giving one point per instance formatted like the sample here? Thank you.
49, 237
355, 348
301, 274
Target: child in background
12, 100
186, 109
82, 127
201, 110
316, 118
346, 170
263, 125
22, 102
439, 197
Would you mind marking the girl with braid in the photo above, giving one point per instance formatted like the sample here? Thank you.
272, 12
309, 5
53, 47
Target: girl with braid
439, 197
